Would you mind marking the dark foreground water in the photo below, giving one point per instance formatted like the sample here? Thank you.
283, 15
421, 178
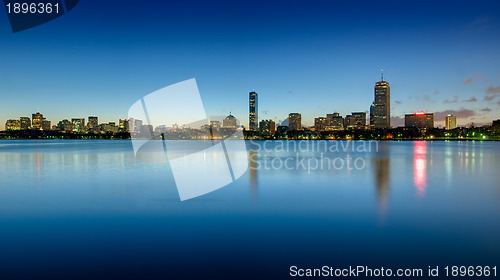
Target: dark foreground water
90, 210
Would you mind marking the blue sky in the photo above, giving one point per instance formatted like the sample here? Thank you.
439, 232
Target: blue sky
311, 57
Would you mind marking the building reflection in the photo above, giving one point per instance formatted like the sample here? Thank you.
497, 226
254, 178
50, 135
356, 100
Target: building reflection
420, 167
252, 157
381, 172
37, 159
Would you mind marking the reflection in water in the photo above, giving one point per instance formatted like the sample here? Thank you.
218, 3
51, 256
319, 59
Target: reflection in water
37, 158
381, 172
252, 157
419, 167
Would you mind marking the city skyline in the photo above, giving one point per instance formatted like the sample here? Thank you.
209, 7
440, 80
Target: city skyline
359, 120
378, 116
442, 60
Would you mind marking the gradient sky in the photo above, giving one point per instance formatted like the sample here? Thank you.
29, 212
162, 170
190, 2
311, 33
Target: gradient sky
311, 57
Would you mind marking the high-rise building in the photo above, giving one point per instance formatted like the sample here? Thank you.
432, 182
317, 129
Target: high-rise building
319, 123
111, 127
294, 121
65, 125
451, 122
215, 129
37, 121
229, 122
496, 126
13, 125
359, 119
123, 125
372, 115
25, 123
281, 130
78, 124
253, 116
419, 120
93, 125
46, 125
267, 127
215, 125
382, 105
137, 125
131, 124
349, 122
334, 122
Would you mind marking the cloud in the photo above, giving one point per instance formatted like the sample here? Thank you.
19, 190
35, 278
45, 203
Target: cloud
473, 99
493, 90
462, 113
455, 100
486, 110
399, 102
492, 93
476, 76
397, 121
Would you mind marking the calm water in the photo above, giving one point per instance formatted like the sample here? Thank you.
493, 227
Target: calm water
89, 209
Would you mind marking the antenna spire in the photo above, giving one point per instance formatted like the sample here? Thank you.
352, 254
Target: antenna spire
382, 70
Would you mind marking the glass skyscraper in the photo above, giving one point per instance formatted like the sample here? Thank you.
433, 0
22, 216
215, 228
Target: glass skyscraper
382, 105
253, 116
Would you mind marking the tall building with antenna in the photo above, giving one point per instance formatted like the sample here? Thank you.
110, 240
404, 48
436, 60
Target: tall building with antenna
253, 116
381, 117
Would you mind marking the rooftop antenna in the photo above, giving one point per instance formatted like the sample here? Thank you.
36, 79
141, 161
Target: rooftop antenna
382, 74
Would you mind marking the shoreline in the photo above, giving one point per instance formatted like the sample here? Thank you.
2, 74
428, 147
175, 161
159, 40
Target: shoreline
129, 139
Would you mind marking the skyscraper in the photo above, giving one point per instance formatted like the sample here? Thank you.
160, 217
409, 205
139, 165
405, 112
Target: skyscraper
382, 104
25, 123
372, 114
253, 121
451, 122
37, 121
294, 121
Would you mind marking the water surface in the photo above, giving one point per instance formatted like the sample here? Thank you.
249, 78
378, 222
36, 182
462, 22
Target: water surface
89, 209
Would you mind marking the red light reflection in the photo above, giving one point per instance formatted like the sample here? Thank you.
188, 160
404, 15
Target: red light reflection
419, 167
